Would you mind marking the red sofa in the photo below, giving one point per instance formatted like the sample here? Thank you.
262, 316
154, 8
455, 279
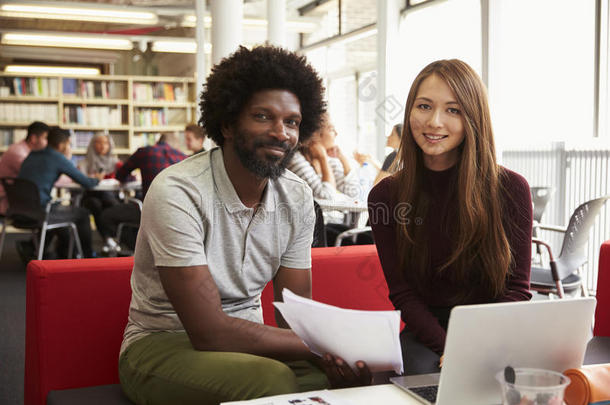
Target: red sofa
602, 311
76, 311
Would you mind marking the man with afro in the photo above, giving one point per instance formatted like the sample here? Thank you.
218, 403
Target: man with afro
216, 228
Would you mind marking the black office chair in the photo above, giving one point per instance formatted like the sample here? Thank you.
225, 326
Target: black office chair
129, 224
26, 212
563, 274
319, 230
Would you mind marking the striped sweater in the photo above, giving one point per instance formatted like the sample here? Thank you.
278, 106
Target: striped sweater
323, 190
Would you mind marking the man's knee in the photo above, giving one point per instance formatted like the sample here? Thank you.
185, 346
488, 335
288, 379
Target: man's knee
272, 378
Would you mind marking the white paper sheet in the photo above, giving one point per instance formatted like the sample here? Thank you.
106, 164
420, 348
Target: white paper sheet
370, 336
304, 398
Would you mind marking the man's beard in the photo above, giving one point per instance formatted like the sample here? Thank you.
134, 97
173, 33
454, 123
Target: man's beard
270, 168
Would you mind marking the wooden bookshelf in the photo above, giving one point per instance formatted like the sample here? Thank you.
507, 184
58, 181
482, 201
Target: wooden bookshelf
86, 105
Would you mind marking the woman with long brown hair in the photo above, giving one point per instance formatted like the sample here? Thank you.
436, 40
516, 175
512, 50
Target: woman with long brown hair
452, 227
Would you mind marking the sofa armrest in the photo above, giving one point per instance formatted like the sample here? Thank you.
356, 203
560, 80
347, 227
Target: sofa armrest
76, 311
602, 311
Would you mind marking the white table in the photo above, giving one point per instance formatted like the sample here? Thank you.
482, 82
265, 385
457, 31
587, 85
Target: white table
386, 394
343, 204
106, 186
350, 206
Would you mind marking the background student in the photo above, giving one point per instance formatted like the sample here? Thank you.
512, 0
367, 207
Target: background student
150, 160
43, 168
451, 226
194, 136
101, 161
322, 164
11, 160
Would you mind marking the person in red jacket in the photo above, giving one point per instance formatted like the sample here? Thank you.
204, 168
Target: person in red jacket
452, 227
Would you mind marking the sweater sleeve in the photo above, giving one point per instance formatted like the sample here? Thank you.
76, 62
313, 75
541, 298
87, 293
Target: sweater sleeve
348, 185
413, 310
302, 168
130, 165
69, 169
518, 228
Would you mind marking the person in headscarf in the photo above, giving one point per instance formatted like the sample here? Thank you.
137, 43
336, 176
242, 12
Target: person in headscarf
100, 156
99, 160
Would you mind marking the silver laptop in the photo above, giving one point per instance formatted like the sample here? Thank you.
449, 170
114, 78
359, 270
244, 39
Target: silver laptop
484, 339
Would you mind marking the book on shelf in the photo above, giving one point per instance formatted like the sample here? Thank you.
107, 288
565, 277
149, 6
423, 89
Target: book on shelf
145, 139
147, 117
28, 86
69, 87
9, 136
158, 92
25, 113
97, 89
99, 116
81, 139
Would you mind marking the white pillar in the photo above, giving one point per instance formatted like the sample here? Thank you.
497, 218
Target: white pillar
390, 109
226, 27
276, 22
200, 61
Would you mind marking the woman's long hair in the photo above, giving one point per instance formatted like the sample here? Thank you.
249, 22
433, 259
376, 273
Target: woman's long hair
478, 237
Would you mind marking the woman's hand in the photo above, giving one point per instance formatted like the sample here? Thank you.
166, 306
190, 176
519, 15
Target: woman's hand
317, 166
341, 375
334, 151
362, 158
317, 151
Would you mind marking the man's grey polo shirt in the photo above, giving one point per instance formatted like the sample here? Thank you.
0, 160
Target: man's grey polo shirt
192, 216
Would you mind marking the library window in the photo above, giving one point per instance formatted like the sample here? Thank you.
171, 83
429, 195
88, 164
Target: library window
542, 80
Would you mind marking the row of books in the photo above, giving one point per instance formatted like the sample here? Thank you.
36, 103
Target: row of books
145, 139
93, 115
158, 92
9, 136
21, 113
146, 117
28, 86
93, 89
81, 139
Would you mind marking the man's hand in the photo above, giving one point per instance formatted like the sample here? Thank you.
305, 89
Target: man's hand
341, 375
440, 363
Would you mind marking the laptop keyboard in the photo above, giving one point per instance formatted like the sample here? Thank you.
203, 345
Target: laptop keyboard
428, 392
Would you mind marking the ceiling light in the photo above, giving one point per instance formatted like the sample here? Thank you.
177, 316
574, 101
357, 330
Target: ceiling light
184, 46
301, 26
67, 41
101, 14
52, 70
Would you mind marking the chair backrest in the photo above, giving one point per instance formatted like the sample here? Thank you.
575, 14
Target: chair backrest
576, 237
540, 199
23, 201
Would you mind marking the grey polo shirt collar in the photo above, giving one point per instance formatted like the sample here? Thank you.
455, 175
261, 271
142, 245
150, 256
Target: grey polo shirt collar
226, 192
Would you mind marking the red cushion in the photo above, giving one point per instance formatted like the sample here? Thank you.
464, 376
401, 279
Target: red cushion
348, 277
602, 311
76, 311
